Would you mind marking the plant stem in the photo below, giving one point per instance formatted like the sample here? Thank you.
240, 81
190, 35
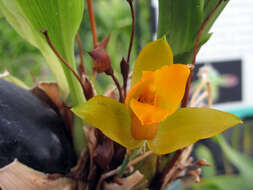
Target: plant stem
173, 161
130, 43
92, 22
121, 99
132, 30
64, 61
81, 67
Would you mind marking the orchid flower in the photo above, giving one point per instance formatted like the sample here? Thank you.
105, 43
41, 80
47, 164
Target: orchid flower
152, 110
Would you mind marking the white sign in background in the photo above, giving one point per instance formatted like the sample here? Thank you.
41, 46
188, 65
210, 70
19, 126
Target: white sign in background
233, 39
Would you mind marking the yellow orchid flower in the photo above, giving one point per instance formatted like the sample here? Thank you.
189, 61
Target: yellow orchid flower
155, 97
151, 111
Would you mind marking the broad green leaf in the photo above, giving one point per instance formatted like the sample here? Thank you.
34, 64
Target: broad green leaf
152, 57
189, 125
180, 21
61, 18
111, 117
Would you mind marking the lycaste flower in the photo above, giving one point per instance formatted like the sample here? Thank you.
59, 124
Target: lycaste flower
151, 112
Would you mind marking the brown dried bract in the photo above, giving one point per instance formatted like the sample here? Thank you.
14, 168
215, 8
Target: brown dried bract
49, 93
104, 151
101, 59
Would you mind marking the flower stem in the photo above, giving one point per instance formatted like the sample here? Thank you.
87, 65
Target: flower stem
132, 30
121, 99
130, 43
64, 61
81, 67
92, 22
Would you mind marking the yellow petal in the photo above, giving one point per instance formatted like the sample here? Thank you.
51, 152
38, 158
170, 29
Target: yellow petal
138, 89
148, 114
170, 82
111, 117
153, 56
189, 125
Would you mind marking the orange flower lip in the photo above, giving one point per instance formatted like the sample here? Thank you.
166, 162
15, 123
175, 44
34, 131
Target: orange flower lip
151, 100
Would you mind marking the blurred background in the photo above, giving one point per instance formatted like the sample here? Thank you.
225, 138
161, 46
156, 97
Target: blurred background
228, 56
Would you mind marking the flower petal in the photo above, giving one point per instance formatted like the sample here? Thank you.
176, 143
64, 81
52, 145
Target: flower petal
189, 125
170, 82
135, 92
148, 114
153, 56
111, 117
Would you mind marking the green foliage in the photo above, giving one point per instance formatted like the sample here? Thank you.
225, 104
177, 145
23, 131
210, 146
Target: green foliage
181, 20
61, 19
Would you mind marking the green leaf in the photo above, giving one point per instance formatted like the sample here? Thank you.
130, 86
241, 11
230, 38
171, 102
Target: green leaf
111, 117
62, 19
181, 20
189, 125
152, 57
208, 7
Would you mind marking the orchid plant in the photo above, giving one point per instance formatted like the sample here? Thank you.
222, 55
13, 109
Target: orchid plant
151, 111
147, 117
